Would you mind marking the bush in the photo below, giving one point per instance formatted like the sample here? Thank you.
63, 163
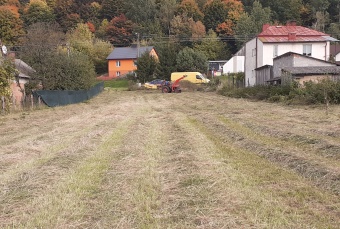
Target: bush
310, 93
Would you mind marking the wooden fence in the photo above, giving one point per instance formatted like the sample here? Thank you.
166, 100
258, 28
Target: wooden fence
27, 103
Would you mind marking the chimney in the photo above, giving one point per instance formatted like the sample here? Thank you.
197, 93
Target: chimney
265, 26
291, 36
291, 23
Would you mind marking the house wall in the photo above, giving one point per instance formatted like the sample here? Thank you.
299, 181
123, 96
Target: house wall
234, 65
125, 67
295, 61
17, 94
265, 54
250, 62
154, 54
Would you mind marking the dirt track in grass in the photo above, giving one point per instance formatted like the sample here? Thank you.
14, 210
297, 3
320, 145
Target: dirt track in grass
144, 159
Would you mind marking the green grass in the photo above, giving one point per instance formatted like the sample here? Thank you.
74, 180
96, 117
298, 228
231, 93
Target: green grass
117, 83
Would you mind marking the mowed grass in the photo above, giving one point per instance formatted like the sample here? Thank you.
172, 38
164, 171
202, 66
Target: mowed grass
132, 159
117, 84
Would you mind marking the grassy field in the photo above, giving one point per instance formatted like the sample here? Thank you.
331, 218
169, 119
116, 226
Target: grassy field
143, 159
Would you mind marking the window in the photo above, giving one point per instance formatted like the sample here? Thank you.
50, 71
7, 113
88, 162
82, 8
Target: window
117, 74
253, 52
117, 63
275, 51
307, 50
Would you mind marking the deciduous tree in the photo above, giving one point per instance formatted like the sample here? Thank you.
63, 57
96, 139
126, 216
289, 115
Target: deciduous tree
11, 27
37, 11
119, 31
212, 47
191, 9
190, 60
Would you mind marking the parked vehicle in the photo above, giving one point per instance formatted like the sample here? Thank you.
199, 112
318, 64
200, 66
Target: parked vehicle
154, 84
193, 77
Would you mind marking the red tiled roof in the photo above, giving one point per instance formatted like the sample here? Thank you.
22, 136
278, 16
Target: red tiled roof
297, 39
300, 33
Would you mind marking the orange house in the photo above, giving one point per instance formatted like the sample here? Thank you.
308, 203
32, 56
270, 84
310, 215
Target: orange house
122, 61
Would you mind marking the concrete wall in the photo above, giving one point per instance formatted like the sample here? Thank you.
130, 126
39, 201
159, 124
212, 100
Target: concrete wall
250, 62
234, 65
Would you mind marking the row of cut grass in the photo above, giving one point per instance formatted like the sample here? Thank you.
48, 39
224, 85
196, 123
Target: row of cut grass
276, 198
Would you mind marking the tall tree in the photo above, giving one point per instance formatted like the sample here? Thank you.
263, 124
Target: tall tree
187, 29
119, 31
146, 66
190, 60
251, 24
190, 9
222, 14
11, 27
65, 16
82, 40
111, 9
167, 53
165, 12
37, 11
212, 47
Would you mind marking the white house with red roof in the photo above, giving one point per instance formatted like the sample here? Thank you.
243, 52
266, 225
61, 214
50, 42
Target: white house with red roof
276, 40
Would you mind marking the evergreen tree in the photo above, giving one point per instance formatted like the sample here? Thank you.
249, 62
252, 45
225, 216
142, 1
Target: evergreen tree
189, 60
167, 54
146, 66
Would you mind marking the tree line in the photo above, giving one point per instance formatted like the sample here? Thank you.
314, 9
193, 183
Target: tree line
185, 33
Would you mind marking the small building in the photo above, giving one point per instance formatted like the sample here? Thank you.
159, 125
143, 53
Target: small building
263, 74
275, 40
314, 74
216, 67
23, 77
272, 74
123, 60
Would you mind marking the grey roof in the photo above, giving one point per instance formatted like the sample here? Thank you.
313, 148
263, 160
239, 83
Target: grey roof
317, 70
304, 56
121, 53
329, 38
24, 69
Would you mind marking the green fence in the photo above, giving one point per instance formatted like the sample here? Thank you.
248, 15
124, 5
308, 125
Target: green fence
60, 98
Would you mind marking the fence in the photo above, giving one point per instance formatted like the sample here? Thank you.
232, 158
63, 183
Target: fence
50, 98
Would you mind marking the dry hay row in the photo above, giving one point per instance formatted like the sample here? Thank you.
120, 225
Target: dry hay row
129, 194
30, 183
280, 199
301, 157
323, 177
323, 145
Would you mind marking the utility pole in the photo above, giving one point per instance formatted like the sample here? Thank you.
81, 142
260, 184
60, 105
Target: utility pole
138, 46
